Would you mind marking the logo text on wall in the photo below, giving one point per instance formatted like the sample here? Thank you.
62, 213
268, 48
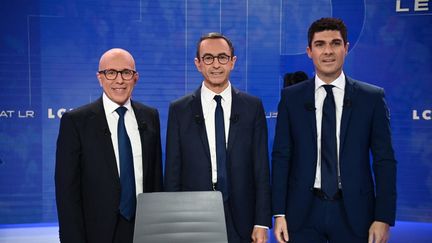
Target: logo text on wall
422, 115
17, 114
30, 114
56, 113
406, 6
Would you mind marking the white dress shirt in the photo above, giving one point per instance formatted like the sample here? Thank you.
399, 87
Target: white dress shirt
133, 133
209, 107
320, 94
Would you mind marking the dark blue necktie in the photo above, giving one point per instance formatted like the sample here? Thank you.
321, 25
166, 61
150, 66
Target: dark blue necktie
222, 179
127, 177
329, 182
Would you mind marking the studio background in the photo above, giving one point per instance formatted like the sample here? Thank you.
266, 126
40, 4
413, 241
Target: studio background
49, 53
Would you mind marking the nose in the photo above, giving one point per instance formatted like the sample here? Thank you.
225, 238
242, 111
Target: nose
328, 49
216, 63
119, 79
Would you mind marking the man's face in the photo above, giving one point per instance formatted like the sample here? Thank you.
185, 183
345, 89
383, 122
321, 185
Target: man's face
118, 90
215, 75
328, 53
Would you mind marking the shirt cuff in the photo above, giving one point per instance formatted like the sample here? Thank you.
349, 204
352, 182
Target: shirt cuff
261, 226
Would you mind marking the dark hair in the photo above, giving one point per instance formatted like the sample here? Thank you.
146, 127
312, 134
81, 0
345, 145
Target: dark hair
214, 35
327, 24
293, 78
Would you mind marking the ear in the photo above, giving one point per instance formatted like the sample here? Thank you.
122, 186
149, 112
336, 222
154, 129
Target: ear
346, 48
309, 52
98, 76
197, 64
136, 78
233, 61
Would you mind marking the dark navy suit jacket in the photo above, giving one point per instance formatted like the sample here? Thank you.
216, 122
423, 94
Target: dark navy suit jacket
86, 175
369, 190
188, 164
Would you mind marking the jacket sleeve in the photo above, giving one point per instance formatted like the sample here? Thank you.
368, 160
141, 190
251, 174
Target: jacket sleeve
157, 163
384, 163
172, 180
280, 159
67, 183
261, 170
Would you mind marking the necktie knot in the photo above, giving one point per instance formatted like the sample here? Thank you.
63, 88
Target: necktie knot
121, 111
328, 88
218, 99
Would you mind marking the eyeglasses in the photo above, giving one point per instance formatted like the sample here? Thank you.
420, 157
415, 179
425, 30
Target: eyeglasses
111, 74
209, 59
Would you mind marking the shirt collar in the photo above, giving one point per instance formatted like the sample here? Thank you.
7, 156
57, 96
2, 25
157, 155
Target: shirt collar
207, 95
339, 82
110, 106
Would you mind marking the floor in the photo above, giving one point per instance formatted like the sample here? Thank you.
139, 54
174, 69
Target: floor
404, 232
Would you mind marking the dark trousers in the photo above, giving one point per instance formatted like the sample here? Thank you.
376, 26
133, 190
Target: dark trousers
233, 236
124, 230
327, 222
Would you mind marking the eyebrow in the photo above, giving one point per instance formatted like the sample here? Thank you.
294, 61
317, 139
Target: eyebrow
337, 40
323, 41
222, 53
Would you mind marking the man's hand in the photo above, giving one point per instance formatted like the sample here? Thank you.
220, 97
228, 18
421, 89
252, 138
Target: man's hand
379, 232
280, 229
259, 235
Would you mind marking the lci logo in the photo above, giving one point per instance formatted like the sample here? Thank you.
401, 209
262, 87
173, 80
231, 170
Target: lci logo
422, 115
56, 113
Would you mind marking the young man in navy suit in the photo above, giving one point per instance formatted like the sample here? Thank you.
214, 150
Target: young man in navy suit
108, 151
324, 187
217, 140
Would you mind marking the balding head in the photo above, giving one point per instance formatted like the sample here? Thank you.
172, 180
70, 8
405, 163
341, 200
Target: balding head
114, 54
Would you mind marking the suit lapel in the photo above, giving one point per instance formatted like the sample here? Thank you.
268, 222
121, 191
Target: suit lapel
142, 128
197, 112
309, 106
235, 111
104, 136
346, 111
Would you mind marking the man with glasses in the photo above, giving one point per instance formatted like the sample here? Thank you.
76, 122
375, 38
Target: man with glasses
107, 152
217, 140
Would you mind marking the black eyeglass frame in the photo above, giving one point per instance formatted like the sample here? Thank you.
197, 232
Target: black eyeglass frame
213, 58
117, 72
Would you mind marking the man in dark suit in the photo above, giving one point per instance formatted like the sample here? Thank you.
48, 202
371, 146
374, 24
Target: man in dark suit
324, 187
107, 152
218, 114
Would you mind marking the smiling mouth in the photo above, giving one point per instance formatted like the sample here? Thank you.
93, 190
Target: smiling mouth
118, 89
216, 73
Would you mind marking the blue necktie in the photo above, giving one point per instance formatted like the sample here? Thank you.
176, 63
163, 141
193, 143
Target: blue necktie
222, 179
127, 177
329, 176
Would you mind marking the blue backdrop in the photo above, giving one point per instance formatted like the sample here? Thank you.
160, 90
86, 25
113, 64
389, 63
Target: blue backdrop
49, 53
